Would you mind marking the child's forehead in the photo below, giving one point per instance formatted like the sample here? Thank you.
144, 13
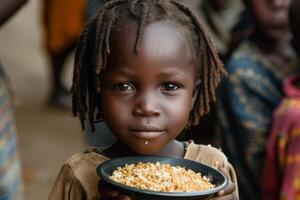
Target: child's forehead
159, 37
127, 24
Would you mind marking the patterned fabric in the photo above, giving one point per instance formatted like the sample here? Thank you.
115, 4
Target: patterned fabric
246, 101
281, 178
63, 23
10, 171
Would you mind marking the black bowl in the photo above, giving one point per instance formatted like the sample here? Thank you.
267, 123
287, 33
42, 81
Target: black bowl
217, 178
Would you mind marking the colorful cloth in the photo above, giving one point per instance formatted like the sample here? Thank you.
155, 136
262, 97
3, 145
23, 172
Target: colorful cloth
78, 180
10, 170
63, 23
247, 98
281, 177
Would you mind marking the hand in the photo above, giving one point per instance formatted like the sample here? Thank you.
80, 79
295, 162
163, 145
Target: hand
228, 193
107, 193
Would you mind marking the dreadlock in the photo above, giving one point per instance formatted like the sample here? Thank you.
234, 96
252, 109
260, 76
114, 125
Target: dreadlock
93, 49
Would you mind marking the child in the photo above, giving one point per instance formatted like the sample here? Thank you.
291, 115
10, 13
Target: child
228, 21
148, 69
281, 178
252, 91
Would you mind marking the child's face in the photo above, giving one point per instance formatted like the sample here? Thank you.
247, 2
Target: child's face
271, 17
148, 96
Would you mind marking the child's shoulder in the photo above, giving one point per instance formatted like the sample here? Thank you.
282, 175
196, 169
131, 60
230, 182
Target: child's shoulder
211, 156
79, 175
91, 156
206, 154
82, 163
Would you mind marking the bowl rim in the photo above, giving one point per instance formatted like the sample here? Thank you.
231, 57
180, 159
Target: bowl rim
102, 174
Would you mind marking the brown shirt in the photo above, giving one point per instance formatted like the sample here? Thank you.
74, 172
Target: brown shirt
78, 179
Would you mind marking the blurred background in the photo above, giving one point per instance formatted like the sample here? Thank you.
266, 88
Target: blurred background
252, 39
47, 136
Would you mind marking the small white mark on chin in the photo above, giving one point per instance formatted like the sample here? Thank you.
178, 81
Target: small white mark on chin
146, 142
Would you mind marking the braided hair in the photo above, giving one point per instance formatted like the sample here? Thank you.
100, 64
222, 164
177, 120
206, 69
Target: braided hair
93, 49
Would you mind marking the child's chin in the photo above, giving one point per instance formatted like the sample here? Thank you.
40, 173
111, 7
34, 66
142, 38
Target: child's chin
145, 151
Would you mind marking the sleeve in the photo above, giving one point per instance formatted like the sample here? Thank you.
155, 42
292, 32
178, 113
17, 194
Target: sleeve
230, 174
281, 177
270, 188
215, 158
289, 157
66, 186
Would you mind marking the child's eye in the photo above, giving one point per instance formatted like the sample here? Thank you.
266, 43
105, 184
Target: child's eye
170, 86
124, 87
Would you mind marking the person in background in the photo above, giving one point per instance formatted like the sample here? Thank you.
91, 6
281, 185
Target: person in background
128, 39
228, 21
281, 174
63, 22
11, 187
252, 90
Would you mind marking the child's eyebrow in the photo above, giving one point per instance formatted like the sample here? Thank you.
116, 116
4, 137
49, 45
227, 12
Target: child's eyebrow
170, 73
174, 73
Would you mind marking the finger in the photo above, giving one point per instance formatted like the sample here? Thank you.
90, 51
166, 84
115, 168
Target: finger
227, 190
124, 197
112, 193
107, 196
227, 197
106, 192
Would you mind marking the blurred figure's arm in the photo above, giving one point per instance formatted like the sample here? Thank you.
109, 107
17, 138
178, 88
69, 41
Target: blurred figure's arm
8, 8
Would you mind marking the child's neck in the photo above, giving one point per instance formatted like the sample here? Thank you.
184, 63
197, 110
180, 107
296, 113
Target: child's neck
118, 149
173, 149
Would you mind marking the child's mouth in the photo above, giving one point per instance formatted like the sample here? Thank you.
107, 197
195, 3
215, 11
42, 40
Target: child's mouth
146, 134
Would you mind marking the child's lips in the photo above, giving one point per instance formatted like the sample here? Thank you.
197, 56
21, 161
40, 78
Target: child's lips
146, 134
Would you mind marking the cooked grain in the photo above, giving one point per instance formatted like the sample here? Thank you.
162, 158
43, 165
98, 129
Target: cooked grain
161, 177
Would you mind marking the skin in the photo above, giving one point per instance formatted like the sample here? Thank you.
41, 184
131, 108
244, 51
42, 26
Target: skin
155, 107
148, 96
271, 31
271, 18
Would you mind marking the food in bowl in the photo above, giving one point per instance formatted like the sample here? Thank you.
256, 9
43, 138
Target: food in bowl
161, 177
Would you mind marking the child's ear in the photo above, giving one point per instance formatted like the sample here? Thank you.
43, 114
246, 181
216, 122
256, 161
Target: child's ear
195, 91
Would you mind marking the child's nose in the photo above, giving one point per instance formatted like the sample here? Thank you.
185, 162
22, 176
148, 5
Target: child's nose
146, 106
